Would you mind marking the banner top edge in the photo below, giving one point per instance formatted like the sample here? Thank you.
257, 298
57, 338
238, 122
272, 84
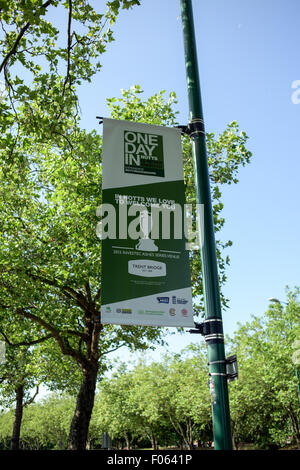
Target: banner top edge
176, 129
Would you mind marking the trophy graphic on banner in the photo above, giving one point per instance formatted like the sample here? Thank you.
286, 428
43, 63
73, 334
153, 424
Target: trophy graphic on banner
145, 243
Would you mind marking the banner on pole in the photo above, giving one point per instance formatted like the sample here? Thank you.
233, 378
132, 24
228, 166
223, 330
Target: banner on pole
145, 263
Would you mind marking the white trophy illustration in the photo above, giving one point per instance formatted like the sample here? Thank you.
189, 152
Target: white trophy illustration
145, 243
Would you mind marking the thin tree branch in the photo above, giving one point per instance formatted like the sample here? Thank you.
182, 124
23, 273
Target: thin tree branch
15, 46
68, 291
66, 138
112, 350
97, 296
31, 400
62, 342
20, 36
25, 343
80, 335
88, 291
67, 78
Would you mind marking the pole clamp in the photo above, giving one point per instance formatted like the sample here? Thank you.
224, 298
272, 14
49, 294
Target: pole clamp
231, 367
193, 129
211, 329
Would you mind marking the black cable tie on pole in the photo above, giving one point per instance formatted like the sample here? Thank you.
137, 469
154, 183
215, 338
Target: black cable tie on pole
101, 119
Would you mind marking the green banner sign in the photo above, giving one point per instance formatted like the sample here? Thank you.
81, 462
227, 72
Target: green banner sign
145, 263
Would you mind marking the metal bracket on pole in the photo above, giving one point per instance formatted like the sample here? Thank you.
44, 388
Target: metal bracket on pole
231, 368
211, 329
101, 119
194, 128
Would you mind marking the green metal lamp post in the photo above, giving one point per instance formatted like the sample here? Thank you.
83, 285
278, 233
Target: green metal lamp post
213, 315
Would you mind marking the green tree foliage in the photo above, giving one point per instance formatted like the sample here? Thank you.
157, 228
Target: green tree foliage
153, 401
45, 424
264, 401
23, 369
48, 48
173, 394
17, 379
147, 401
167, 403
115, 413
42, 65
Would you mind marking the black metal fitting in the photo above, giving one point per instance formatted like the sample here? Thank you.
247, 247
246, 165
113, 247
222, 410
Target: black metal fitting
211, 329
194, 128
232, 368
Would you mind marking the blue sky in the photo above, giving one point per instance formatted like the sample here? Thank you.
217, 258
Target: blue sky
248, 53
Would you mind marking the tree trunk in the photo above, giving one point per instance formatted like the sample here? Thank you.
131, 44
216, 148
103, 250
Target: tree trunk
15, 438
84, 407
234, 443
128, 442
153, 440
295, 427
189, 433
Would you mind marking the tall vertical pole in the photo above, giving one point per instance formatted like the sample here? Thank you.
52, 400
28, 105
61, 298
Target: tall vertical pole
213, 315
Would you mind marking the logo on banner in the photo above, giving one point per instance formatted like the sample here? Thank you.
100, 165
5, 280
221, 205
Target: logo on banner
146, 268
124, 310
163, 300
143, 154
178, 300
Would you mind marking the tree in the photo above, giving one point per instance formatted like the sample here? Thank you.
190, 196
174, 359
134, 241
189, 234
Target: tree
17, 379
147, 401
47, 423
168, 397
44, 62
22, 370
115, 413
264, 401
40, 119
174, 392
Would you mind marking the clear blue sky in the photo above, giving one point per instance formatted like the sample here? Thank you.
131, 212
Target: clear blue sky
248, 54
